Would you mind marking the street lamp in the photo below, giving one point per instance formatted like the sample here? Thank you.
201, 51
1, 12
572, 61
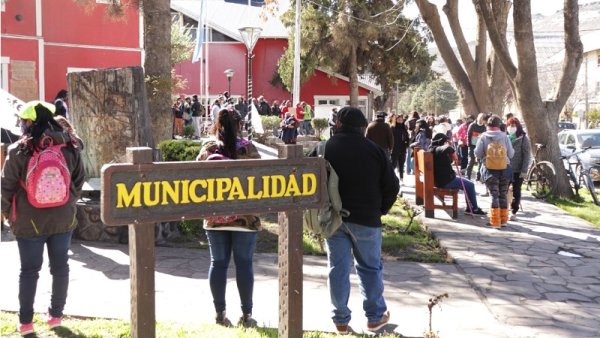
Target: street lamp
229, 73
250, 37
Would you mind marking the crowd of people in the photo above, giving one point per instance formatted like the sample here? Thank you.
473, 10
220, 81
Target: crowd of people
190, 111
368, 189
499, 147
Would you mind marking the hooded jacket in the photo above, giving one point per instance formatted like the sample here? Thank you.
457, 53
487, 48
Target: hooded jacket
28, 221
493, 136
368, 186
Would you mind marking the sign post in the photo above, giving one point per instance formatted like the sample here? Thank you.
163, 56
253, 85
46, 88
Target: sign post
142, 192
290, 262
141, 264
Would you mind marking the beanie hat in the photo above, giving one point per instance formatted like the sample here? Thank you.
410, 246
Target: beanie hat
352, 117
29, 110
439, 139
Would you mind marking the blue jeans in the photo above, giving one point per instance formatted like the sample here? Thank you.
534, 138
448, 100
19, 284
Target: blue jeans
409, 161
221, 244
365, 244
31, 253
469, 186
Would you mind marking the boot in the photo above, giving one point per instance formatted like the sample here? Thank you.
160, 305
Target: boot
503, 217
495, 218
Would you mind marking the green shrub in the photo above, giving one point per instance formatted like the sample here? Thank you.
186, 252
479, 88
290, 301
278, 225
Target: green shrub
320, 124
188, 131
191, 228
179, 150
270, 122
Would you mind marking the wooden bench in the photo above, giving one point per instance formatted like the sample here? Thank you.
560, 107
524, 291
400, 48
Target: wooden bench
425, 189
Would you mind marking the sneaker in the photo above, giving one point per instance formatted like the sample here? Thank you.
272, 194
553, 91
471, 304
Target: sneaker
221, 319
381, 323
247, 321
25, 329
477, 211
342, 329
53, 321
513, 217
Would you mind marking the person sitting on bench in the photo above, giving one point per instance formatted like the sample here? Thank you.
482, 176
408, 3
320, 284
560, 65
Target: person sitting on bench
445, 177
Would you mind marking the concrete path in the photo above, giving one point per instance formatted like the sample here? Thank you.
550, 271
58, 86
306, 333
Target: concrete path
505, 283
540, 275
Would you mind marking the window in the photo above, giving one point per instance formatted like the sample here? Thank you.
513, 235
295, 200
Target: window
322, 102
570, 140
109, 2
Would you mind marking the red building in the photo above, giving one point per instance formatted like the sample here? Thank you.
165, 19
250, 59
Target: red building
225, 50
42, 41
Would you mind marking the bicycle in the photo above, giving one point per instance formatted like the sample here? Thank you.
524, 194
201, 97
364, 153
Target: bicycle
541, 176
579, 174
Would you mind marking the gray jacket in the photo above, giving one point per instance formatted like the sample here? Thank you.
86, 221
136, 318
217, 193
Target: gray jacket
522, 158
490, 136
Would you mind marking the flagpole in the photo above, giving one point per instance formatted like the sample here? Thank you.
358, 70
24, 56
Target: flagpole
296, 77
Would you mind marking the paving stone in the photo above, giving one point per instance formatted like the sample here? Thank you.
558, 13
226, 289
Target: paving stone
564, 296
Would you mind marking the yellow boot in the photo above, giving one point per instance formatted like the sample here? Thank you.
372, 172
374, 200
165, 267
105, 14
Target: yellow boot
495, 218
503, 217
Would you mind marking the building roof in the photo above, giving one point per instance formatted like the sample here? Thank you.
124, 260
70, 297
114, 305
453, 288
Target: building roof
227, 17
364, 81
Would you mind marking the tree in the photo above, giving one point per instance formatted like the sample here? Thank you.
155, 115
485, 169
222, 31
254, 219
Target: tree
541, 116
479, 78
157, 65
439, 97
355, 37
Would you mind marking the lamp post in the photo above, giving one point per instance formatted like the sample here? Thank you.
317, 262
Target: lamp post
229, 73
250, 37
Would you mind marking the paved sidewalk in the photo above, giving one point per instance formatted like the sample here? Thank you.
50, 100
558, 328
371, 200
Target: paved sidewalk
518, 271
507, 283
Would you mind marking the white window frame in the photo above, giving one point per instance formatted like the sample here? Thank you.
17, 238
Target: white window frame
4, 62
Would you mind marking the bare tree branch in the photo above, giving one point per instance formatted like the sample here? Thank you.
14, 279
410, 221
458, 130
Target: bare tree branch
573, 53
500, 47
431, 16
451, 10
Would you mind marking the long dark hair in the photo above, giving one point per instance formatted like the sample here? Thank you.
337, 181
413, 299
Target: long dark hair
44, 120
226, 130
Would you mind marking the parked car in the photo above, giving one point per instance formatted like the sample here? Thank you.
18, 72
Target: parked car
562, 125
571, 140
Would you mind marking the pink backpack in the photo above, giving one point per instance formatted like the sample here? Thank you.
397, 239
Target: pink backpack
48, 178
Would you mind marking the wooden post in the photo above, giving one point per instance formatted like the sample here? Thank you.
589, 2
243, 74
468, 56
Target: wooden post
418, 178
290, 262
141, 261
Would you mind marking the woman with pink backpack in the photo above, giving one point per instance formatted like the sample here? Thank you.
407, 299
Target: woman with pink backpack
41, 182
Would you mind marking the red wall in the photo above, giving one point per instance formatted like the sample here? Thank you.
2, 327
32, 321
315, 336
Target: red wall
266, 56
322, 83
57, 60
232, 55
76, 26
67, 21
26, 26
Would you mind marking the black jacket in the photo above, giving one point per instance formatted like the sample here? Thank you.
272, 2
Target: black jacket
368, 185
401, 138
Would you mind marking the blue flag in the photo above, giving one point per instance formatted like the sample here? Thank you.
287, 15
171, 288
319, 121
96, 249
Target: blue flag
199, 35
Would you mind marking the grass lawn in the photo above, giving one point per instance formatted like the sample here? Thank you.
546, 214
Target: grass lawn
581, 206
107, 328
399, 242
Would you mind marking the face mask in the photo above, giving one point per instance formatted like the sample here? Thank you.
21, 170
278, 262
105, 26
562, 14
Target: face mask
512, 130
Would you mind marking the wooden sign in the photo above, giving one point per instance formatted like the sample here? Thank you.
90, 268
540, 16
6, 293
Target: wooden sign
170, 191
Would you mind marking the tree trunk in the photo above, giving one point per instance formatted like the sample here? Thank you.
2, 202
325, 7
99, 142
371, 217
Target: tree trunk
354, 78
466, 96
541, 117
157, 65
110, 112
